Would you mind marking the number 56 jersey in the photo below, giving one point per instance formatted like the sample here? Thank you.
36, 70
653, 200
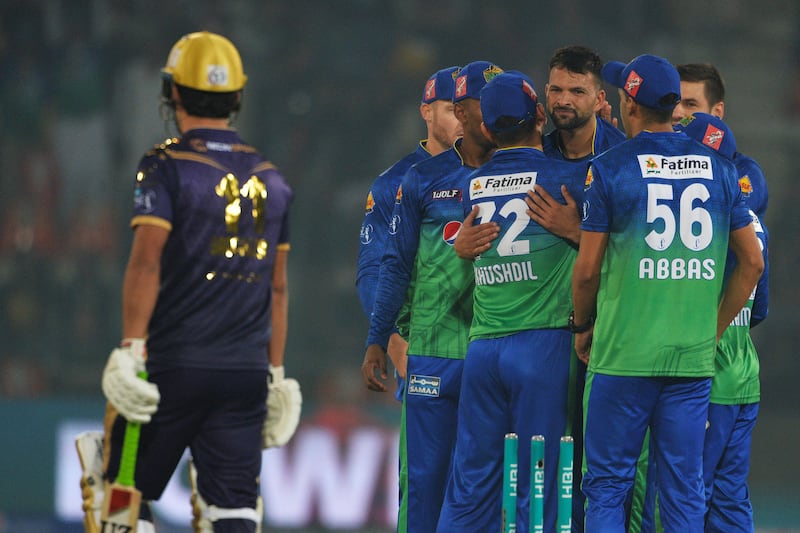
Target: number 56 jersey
226, 209
523, 281
669, 205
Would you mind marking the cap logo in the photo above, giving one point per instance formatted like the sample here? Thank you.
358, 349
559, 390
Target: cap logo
217, 75
461, 86
172, 62
713, 137
529, 90
491, 72
430, 89
633, 83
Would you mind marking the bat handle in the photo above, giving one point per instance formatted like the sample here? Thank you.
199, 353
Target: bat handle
130, 449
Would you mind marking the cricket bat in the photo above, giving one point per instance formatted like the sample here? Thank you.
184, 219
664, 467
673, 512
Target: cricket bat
120, 512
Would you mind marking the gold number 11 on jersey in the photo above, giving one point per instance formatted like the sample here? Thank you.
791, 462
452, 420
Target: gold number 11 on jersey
254, 189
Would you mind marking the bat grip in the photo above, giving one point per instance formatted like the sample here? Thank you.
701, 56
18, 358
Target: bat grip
130, 449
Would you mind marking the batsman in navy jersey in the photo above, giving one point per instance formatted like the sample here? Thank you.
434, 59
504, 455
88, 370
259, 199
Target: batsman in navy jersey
205, 296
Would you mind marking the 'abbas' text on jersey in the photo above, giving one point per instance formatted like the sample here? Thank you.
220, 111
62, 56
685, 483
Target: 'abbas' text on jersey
668, 205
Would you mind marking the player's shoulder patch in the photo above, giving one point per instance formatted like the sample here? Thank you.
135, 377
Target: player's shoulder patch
370, 203
745, 185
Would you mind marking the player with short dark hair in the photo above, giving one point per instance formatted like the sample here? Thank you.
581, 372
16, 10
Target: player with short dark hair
205, 299
710, 83
427, 216
703, 90
517, 369
660, 212
575, 96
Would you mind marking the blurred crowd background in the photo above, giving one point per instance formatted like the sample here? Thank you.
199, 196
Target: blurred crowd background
332, 100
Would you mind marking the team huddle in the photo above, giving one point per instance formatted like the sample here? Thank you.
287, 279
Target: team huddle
583, 282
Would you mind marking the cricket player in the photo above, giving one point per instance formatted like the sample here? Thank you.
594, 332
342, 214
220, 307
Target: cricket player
205, 300
575, 95
735, 388
436, 109
517, 368
660, 212
425, 222
703, 91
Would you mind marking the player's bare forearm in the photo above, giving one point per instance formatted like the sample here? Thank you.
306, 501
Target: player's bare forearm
586, 275
744, 277
280, 310
373, 369
583, 345
473, 240
397, 350
557, 218
142, 280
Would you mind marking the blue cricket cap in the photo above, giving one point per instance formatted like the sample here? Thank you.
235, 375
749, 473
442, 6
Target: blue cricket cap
650, 80
472, 79
510, 94
709, 130
441, 85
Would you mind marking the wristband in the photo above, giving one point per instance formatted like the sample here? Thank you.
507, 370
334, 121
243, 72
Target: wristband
582, 328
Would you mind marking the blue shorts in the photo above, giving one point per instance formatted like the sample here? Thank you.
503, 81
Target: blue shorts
518, 383
427, 439
726, 464
618, 411
219, 416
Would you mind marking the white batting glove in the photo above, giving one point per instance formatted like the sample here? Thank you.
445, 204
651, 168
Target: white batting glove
90, 453
284, 404
133, 397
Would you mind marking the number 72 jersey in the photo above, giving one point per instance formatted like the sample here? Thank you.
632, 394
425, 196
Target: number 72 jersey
523, 281
668, 204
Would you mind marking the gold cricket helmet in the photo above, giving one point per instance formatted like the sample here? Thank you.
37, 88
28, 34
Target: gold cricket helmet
205, 61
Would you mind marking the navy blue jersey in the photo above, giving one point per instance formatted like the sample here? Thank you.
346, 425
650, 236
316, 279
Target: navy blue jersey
226, 208
375, 227
752, 183
605, 136
425, 222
